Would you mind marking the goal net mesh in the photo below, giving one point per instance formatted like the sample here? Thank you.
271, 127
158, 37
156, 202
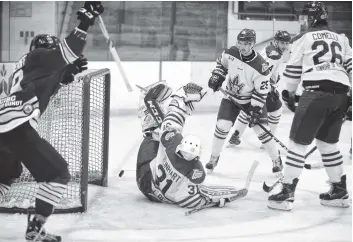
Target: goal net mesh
76, 123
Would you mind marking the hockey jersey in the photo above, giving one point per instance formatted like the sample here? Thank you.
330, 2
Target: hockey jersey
318, 54
247, 81
34, 80
274, 58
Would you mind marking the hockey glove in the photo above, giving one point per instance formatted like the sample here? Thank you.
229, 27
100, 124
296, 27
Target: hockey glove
76, 67
255, 113
273, 94
89, 12
290, 99
217, 79
190, 93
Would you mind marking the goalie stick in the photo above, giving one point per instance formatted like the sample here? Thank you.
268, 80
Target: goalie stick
114, 53
241, 193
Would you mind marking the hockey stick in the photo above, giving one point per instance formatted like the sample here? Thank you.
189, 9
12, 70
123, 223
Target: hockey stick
241, 193
259, 124
114, 53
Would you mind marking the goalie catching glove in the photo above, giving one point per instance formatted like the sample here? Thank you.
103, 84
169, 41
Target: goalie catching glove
188, 95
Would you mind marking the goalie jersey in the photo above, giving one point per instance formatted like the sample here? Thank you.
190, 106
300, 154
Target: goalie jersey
247, 80
37, 74
319, 54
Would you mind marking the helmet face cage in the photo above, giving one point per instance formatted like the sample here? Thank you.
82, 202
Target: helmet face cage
316, 11
44, 41
190, 147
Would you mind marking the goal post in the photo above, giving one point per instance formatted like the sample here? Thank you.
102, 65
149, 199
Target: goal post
76, 123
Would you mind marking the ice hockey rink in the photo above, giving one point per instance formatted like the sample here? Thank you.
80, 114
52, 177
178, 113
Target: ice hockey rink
121, 213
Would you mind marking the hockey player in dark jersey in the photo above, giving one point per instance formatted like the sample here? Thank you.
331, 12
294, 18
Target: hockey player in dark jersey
10, 164
322, 60
273, 54
35, 79
247, 76
169, 169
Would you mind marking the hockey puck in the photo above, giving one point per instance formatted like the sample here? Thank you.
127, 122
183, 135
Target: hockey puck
121, 173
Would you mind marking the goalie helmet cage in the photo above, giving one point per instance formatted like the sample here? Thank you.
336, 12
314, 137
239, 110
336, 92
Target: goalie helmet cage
76, 123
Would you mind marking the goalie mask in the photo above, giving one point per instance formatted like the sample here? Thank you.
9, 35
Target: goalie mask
189, 148
44, 41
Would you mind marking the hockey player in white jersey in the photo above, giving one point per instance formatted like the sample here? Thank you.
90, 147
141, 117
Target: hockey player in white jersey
169, 170
273, 54
247, 76
323, 60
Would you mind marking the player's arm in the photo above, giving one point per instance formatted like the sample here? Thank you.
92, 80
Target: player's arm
71, 48
220, 72
293, 71
347, 59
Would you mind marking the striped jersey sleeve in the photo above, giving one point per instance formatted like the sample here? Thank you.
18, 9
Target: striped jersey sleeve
176, 115
293, 71
347, 59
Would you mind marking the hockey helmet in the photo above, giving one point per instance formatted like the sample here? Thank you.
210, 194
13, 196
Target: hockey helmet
44, 41
316, 12
247, 35
189, 148
282, 35
281, 40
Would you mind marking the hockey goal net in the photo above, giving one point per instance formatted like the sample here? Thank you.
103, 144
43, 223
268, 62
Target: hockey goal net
76, 123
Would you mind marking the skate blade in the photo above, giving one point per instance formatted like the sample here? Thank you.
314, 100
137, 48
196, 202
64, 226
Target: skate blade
338, 203
283, 206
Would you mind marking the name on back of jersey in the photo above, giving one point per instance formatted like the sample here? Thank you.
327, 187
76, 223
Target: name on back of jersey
325, 35
173, 175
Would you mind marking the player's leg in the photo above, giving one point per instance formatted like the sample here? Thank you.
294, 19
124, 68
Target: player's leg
269, 144
239, 127
47, 167
274, 109
326, 142
227, 114
147, 152
308, 118
11, 169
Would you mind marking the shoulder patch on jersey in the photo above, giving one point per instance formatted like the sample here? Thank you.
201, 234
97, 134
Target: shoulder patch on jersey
196, 174
169, 135
260, 65
233, 51
272, 53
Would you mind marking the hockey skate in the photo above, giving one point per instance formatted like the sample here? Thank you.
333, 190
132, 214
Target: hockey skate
277, 167
285, 198
212, 163
234, 140
337, 196
36, 232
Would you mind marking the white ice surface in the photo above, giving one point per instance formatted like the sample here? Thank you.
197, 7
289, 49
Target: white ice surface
121, 213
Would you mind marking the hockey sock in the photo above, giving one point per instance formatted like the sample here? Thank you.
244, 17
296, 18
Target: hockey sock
220, 134
332, 159
241, 123
267, 141
295, 161
273, 119
48, 196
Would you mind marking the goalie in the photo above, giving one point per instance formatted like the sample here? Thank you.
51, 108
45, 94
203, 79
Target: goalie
169, 169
